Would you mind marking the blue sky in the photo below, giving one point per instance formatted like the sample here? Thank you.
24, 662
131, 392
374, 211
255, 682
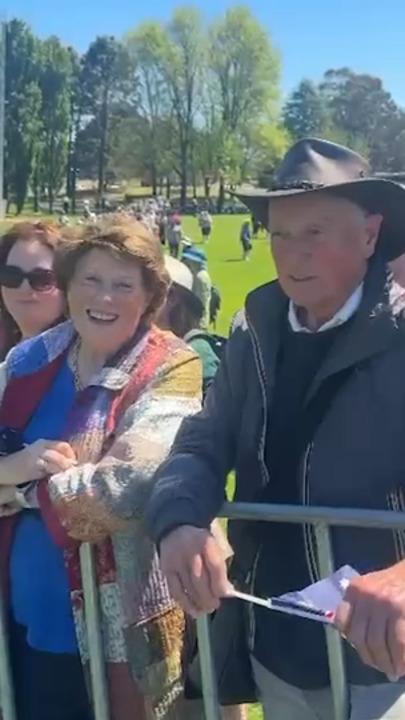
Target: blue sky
312, 35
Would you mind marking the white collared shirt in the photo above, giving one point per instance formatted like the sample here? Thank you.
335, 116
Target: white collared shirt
343, 315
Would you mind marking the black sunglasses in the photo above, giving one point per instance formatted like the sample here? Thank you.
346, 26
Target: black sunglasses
40, 279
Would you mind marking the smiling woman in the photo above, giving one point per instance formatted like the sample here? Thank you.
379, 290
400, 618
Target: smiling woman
115, 281
97, 401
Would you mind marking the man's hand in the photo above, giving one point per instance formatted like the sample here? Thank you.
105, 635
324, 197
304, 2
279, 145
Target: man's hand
372, 619
195, 567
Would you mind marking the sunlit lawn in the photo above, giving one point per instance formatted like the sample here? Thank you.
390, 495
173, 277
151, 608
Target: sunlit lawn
233, 277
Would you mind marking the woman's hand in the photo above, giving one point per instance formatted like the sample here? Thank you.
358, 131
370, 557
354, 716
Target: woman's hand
36, 461
8, 501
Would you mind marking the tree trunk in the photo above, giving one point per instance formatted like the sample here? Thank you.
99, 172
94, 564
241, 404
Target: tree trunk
103, 147
21, 190
73, 193
19, 203
73, 167
50, 198
194, 185
207, 188
183, 189
154, 179
168, 188
51, 171
221, 196
69, 168
35, 190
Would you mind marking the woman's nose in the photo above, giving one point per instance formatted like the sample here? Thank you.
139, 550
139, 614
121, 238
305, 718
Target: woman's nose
25, 286
106, 293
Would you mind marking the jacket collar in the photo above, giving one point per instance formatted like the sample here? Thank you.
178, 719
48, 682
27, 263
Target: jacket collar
377, 325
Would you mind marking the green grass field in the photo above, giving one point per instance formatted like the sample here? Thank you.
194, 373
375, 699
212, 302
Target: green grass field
233, 277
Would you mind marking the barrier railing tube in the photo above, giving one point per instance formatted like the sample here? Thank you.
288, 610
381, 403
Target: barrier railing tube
322, 518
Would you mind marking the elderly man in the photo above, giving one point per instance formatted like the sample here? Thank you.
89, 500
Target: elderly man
308, 408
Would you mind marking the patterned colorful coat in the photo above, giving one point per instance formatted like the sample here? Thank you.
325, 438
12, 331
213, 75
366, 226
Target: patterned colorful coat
121, 427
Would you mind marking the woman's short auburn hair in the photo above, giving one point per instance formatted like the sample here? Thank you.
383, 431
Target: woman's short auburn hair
125, 239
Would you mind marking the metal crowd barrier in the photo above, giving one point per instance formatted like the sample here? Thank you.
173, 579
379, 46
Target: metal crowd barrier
322, 518
93, 622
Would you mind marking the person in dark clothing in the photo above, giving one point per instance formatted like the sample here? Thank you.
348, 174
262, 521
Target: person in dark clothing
257, 226
308, 408
246, 240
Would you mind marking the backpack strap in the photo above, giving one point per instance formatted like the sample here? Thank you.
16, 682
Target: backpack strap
197, 334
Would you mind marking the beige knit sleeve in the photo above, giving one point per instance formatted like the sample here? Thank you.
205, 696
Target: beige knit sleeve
96, 500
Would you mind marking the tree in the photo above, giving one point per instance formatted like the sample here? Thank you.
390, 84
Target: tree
55, 82
395, 148
270, 143
183, 64
146, 47
363, 110
131, 155
244, 88
305, 112
105, 84
23, 107
208, 151
245, 66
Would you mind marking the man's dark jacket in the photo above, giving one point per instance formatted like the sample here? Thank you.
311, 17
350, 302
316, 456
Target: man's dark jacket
356, 457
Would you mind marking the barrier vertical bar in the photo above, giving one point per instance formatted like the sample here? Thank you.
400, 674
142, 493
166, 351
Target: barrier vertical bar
334, 642
210, 691
95, 641
6, 683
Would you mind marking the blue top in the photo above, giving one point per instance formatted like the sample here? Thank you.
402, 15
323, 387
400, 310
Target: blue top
40, 596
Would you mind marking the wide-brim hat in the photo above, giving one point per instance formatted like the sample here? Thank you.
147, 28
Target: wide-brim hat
319, 166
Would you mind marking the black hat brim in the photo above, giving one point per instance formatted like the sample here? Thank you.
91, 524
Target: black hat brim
373, 194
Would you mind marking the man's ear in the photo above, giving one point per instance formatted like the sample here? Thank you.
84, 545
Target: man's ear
373, 229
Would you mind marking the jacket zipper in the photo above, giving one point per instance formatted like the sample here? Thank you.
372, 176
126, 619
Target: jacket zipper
264, 472
310, 553
262, 380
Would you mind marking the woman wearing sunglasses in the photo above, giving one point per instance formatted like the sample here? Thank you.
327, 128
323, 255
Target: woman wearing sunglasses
97, 401
30, 301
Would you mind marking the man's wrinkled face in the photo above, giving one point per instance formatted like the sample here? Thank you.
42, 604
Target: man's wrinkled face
321, 246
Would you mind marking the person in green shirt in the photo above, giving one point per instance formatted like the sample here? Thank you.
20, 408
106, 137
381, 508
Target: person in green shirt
182, 315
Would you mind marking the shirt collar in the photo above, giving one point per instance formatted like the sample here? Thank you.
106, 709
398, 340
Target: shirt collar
343, 315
